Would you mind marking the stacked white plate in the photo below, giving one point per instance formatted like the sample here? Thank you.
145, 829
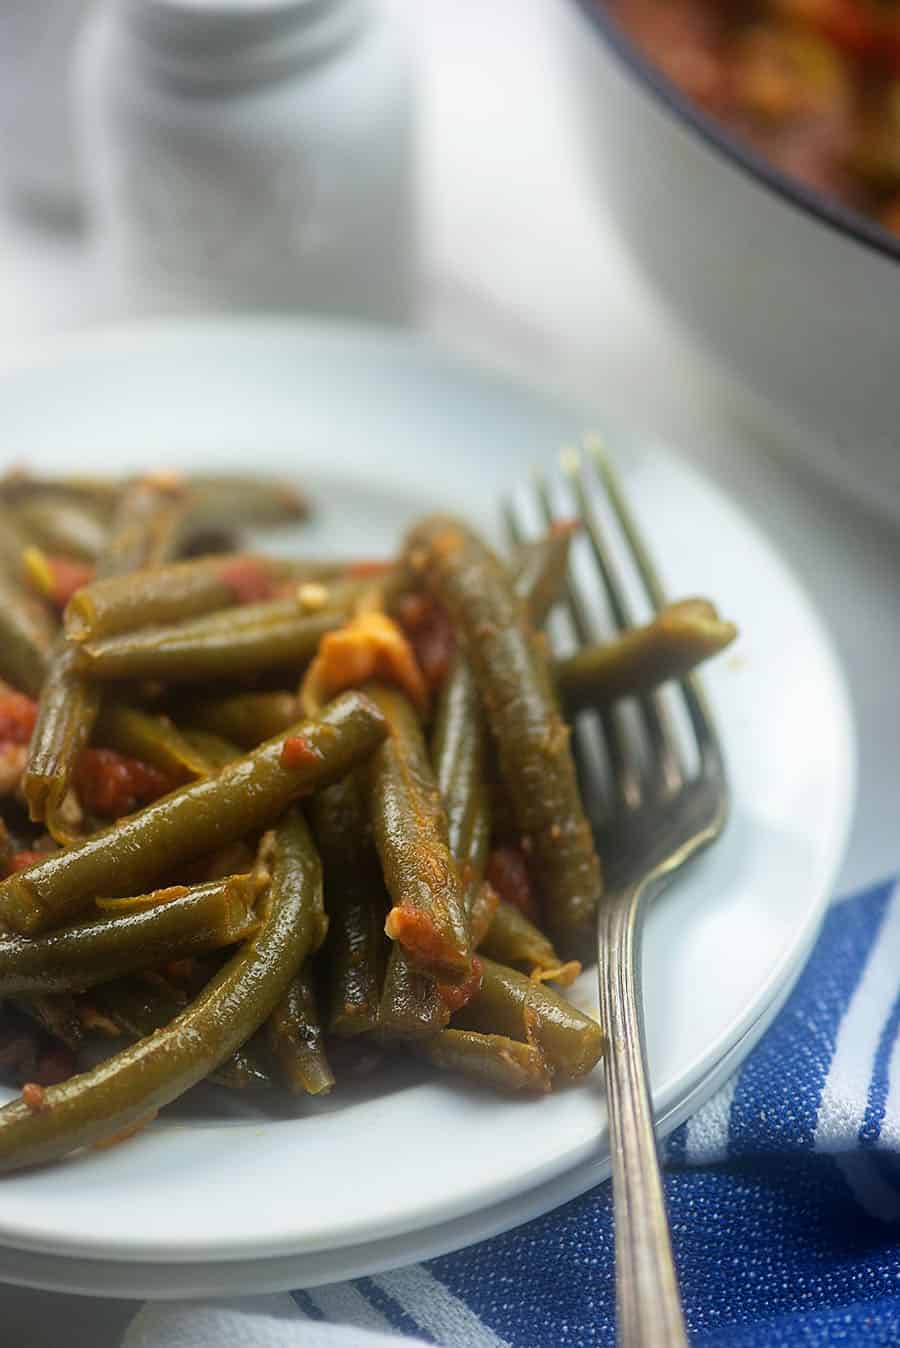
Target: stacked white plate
225, 1197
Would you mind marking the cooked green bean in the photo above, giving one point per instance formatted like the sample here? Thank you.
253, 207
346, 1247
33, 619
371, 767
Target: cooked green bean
484, 903
532, 741
58, 524
411, 1005
410, 830
199, 919
138, 1008
295, 1039
509, 1003
133, 1084
213, 749
540, 572
228, 500
356, 903
514, 940
221, 645
13, 542
637, 661
491, 1059
25, 638
245, 718
153, 739
246, 795
143, 533
56, 1013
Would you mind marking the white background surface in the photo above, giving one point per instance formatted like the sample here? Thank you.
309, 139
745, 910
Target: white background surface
523, 271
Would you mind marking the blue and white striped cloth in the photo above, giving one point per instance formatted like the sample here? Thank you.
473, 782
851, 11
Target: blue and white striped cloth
784, 1195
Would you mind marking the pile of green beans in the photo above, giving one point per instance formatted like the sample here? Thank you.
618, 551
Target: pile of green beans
204, 886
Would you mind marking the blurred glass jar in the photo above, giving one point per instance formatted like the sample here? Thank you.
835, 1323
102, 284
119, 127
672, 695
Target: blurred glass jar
250, 154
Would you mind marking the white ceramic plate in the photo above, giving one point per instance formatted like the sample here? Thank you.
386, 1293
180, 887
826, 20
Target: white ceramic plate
381, 427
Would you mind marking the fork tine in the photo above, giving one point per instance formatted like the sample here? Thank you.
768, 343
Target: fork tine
655, 716
624, 769
692, 688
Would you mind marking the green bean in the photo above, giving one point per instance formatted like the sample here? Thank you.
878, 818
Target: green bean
60, 525
411, 1005
167, 594
512, 939
231, 500
196, 920
483, 907
143, 532
509, 1003
221, 645
245, 796
130, 1086
138, 1008
213, 749
540, 572
491, 1059
153, 739
532, 741
410, 830
102, 493
56, 1013
295, 1039
637, 661
245, 718
13, 542
356, 903
25, 638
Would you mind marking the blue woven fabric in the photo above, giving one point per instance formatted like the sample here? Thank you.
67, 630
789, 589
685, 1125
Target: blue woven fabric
783, 1191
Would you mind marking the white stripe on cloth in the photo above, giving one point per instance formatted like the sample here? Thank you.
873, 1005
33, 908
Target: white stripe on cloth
706, 1141
436, 1309
243, 1322
846, 1089
342, 1304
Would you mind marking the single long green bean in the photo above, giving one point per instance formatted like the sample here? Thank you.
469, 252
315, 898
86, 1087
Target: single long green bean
198, 818
295, 1039
153, 739
194, 921
490, 1059
356, 902
26, 638
226, 645
139, 1080
518, 699
410, 830
679, 638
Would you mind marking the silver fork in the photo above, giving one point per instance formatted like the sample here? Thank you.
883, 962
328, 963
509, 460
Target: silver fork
660, 815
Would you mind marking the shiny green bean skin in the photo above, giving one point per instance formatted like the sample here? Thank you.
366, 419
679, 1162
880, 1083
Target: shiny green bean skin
519, 703
409, 826
143, 1077
295, 1039
205, 917
196, 819
513, 939
26, 638
218, 646
411, 1005
458, 758
511, 1004
162, 595
678, 639
138, 1008
244, 718
58, 524
153, 739
490, 1059
356, 903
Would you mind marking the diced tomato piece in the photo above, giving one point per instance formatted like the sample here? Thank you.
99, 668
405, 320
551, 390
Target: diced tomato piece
297, 752
66, 576
110, 784
508, 873
456, 996
18, 714
431, 635
249, 579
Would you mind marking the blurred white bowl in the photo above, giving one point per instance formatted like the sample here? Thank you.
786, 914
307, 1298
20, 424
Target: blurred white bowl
796, 296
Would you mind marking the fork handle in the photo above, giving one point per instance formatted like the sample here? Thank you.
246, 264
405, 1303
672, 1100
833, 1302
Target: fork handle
648, 1305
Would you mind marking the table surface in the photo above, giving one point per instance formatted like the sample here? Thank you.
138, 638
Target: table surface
547, 293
